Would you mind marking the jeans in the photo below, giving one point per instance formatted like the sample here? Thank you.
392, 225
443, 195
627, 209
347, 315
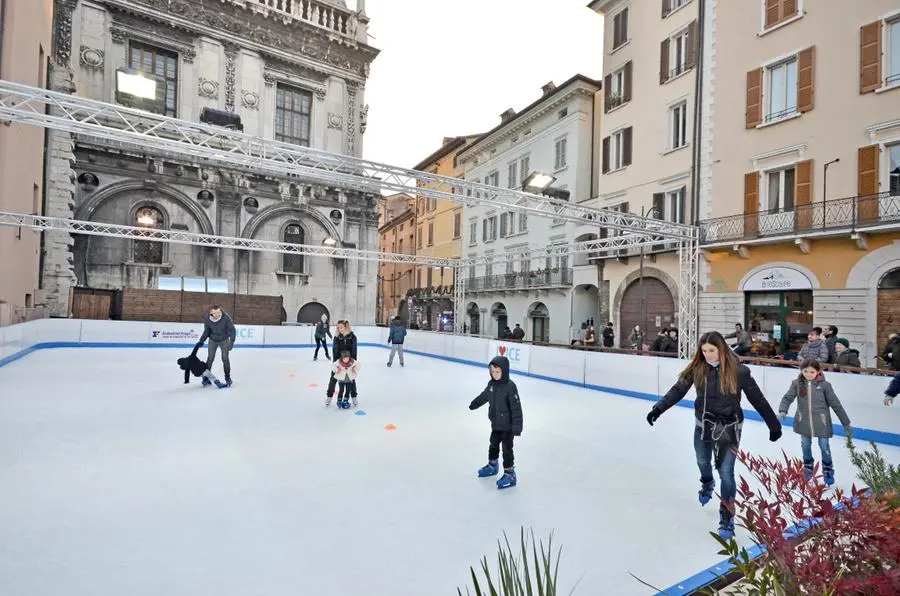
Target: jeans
809, 461
506, 438
211, 355
725, 452
321, 342
396, 349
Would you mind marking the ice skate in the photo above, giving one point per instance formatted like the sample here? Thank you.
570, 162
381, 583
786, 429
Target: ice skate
508, 479
328, 399
706, 491
726, 523
828, 473
206, 382
220, 384
355, 402
228, 382
491, 469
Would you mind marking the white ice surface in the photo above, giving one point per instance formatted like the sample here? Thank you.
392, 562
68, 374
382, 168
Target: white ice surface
115, 478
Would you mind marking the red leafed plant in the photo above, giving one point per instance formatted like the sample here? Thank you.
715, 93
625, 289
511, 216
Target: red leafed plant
815, 543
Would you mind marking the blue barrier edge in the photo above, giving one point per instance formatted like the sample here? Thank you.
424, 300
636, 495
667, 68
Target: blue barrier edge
693, 583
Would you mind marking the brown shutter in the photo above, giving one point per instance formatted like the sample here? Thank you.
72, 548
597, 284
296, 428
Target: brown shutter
788, 9
605, 155
754, 97
627, 77
870, 57
666, 8
803, 188
773, 13
664, 61
626, 147
751, 204
867, 202
691, 58
607, 90
806, 79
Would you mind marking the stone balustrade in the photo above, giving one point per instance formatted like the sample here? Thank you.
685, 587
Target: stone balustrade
324, 15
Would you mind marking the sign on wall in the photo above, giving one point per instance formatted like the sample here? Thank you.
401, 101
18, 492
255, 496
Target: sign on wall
517, 354
249, 334
168, 333
777, 279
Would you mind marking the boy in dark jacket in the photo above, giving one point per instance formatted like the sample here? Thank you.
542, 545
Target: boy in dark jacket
197, 367
505, 414
396, 337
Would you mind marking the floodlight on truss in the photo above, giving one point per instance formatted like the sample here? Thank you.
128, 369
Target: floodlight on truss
180, 140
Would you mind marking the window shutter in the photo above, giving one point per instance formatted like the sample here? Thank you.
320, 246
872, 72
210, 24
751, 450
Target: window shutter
691, 50
751, 203
664, 61
623, 26
626, 147
803, 194
754, 97
627, 76
870, 57
503, 224
484, 230
605, 155
682, 202
607, 92
666, 8
788, 9
773, 13
806, 67
659, 205
868, 158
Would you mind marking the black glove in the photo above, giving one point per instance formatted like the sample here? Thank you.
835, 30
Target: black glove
517, 433
654, 415
774, 435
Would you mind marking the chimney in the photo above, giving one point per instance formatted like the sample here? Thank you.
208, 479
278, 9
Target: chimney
548, 88
507, 116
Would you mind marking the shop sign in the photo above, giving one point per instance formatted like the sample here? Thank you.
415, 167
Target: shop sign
777, 279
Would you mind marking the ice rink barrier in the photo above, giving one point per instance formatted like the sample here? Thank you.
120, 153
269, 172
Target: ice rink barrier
637, 376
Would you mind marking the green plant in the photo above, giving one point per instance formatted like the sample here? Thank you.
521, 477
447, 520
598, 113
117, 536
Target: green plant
881, 477
514, 576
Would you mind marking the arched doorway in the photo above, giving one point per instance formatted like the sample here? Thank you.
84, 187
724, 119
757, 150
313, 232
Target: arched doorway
474, 314
539, 319
888, 307
498, 312
311, 313
658, 305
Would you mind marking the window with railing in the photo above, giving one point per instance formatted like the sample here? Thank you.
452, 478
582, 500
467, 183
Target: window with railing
678, 45
892, 37
780, 190
781, 86
894, 169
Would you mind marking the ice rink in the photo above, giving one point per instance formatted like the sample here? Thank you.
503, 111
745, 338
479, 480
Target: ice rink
115, 478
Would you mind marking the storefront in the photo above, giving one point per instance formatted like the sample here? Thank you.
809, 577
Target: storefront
779, 310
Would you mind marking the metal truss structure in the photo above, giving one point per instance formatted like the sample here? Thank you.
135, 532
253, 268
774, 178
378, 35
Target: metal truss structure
203, 143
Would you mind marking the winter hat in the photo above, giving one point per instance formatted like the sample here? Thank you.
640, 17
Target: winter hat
841, 340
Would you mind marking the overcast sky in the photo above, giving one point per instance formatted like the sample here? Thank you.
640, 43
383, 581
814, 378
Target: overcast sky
451, 67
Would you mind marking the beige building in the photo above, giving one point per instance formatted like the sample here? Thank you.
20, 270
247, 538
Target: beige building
396, 234
647, 149
25, 33
438, 234
800, 196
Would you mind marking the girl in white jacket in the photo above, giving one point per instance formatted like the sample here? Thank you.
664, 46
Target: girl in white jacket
345, 369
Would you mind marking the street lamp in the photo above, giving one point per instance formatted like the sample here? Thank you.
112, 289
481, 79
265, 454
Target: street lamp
643, 305
539, 183
136, 89
825, 187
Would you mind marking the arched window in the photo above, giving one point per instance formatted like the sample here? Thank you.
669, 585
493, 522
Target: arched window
146, 251
292, 263
890, 281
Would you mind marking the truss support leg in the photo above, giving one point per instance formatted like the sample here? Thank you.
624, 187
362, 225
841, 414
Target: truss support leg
688, 296
459, 298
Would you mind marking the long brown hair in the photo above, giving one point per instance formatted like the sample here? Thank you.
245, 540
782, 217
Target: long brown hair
698, 369
808, 363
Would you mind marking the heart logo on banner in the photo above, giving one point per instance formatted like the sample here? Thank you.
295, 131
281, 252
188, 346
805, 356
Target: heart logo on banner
503, 350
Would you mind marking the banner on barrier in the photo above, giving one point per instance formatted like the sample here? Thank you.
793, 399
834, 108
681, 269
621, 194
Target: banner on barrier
175, 334
517, 354
250, 334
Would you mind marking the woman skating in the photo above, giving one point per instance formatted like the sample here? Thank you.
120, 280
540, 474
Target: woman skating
719, 378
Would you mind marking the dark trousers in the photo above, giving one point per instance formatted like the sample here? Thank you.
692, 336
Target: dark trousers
505, 438
346, 389
332, 383
211, 355
321, 342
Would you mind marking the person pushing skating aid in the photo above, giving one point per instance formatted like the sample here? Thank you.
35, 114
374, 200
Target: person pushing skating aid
505, 414
193, 365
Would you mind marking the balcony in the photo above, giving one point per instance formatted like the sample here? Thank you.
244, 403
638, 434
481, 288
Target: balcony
432, 293
853, 214
546, 279
317, 13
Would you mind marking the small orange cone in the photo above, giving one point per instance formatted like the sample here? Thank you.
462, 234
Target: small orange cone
313, 385
390, 427
292, 375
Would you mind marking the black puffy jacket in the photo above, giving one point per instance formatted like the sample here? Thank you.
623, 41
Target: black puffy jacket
192, 365
343, 343
504, 409
716, 405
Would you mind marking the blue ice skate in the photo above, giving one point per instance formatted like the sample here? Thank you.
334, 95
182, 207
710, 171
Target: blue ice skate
828, 473
228, 380
220, 384
508, 479
206, 382
491, 469
726, 523
706, 491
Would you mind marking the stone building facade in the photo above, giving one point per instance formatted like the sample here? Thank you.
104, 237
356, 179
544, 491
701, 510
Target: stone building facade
294, 71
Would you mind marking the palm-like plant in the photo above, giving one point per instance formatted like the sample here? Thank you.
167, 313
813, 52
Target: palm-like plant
514, 576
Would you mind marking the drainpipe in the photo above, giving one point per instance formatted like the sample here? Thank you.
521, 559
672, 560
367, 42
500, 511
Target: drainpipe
698, 114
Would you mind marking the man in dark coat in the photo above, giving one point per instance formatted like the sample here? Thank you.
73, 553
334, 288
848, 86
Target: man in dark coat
219, 328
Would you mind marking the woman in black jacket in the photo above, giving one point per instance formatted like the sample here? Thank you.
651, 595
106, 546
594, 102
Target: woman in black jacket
344, 341
719, 377
322, 331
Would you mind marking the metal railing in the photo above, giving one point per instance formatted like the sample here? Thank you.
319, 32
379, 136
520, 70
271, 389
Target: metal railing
319, 14
852, 213
552, 278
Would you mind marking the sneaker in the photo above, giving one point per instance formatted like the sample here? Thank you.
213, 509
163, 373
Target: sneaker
508, 479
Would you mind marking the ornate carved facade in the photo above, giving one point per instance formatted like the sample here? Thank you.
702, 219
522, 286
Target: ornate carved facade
294, 72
